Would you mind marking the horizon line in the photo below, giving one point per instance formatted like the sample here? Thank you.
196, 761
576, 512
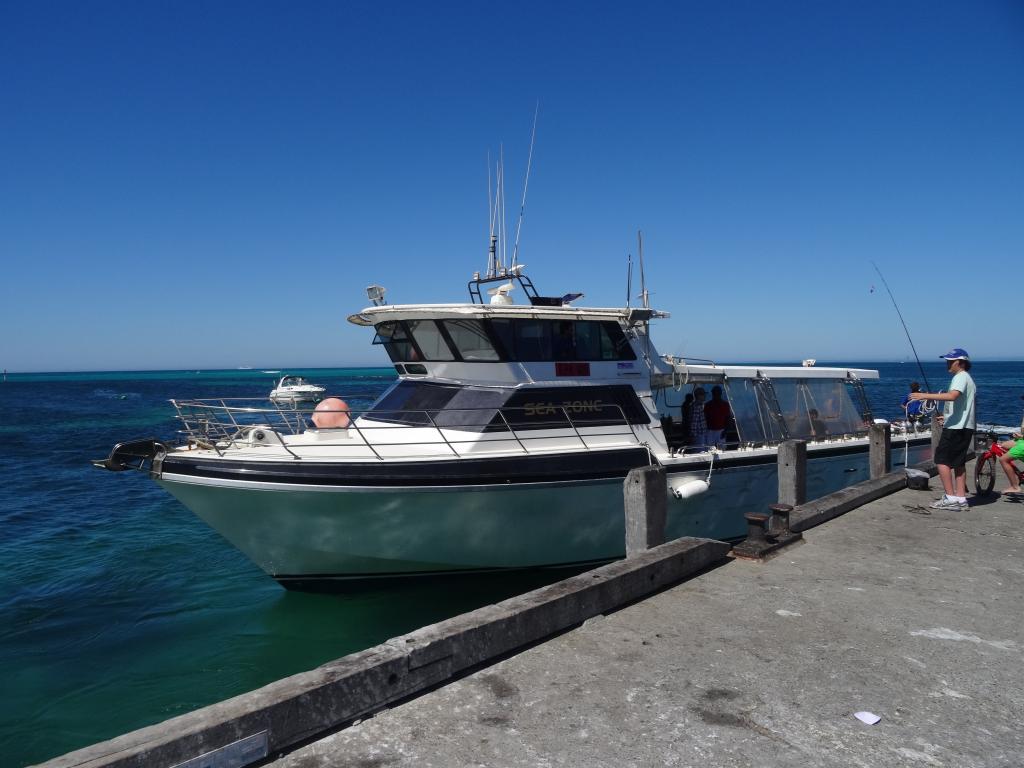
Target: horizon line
368, 366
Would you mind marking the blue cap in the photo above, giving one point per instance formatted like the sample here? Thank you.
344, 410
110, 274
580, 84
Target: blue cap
956, 354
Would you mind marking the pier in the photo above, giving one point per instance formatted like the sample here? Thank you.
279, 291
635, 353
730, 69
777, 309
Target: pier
679, 655
914, 617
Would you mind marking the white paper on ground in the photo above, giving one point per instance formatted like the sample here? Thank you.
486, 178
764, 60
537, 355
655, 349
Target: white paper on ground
867, 717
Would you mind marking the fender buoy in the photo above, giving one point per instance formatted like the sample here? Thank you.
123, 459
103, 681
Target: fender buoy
331, 413
685, 489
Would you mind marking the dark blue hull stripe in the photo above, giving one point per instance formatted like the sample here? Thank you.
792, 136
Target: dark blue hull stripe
571, 466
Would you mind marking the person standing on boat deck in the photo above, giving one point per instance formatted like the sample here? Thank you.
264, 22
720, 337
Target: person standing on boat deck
716, 417
958, 425
565, 342
698, 426
687, 414
818, 429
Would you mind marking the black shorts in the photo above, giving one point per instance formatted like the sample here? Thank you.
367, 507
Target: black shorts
954, 445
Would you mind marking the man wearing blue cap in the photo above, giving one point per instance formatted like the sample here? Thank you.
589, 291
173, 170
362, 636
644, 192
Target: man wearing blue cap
957, 430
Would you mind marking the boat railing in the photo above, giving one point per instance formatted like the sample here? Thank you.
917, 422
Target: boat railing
222, 424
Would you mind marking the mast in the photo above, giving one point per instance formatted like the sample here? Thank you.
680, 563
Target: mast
644, 296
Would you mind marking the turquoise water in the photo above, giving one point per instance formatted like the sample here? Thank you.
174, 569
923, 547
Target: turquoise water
120, 609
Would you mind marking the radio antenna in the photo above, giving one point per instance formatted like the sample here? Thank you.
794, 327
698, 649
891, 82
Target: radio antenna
502, 229
896, 306
492, 266
526, 183
629, 278
643, 280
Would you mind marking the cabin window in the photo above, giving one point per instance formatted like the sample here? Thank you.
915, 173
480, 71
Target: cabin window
602, 340
816, 408
501, 330
429, 340
533, 340
471, 339
424, 404
490, 409
855, 388
409, 401
754, 410
562, 340
491, 340
396, 341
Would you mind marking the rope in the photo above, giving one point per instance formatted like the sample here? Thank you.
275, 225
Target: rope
685, 374
711, 466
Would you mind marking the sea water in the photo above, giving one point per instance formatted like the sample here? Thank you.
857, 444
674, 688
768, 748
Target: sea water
119, 608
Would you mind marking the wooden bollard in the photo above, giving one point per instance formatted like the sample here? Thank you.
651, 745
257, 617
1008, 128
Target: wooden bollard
880, 450
645, 493
792, 468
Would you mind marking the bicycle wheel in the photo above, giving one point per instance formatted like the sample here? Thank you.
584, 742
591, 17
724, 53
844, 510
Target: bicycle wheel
985, 476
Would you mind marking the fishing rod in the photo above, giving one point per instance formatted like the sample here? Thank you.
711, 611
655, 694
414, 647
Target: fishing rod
920, 367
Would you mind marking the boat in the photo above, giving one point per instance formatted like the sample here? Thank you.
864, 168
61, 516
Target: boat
291, 390
809, 362
502, 445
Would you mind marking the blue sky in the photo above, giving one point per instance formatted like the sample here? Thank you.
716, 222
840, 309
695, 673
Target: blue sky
188, 184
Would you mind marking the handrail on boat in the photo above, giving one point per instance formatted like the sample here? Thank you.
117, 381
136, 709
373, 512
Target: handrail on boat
222, 425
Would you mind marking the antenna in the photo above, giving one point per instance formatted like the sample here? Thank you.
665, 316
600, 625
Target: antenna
494, 251
629, 278
526, 183
491, 206
501, 196
643, 280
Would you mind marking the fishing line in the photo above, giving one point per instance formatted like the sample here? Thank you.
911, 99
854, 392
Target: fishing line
928, 387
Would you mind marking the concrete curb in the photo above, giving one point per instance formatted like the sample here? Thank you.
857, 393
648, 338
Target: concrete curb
833, 505
290, 711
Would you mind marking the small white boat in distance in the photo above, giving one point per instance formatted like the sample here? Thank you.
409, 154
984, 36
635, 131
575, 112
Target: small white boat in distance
809, 362
295, 389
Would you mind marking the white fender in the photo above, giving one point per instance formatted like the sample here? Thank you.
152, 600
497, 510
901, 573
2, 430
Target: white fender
687, 487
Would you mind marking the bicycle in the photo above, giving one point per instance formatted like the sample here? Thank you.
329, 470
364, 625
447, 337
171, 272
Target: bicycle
987, 465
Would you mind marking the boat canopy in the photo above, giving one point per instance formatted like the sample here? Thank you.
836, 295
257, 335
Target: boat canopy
374, 315
711, 373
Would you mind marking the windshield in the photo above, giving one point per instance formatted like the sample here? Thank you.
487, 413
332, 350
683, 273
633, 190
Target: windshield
473, 340
488, 409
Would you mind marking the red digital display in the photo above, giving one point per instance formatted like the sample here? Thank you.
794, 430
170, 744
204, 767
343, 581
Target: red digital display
572, 369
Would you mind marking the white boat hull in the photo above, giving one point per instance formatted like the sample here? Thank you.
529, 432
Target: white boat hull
302, 533
297, 397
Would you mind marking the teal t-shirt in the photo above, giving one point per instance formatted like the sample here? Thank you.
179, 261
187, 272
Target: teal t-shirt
960, 412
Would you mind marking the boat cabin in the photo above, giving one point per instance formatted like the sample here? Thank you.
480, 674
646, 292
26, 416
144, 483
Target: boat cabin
766, 404
293, 381
484, 368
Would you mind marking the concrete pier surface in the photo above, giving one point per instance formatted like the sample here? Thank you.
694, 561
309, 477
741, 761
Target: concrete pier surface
914, 615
